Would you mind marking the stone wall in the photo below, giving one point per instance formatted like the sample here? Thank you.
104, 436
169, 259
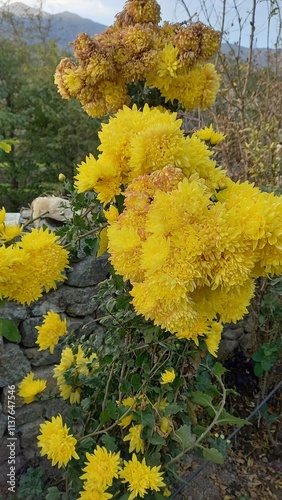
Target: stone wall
75, 301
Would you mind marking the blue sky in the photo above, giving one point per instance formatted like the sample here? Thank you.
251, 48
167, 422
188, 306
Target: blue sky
103, 11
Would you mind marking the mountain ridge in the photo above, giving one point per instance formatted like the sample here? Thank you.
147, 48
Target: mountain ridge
64, 27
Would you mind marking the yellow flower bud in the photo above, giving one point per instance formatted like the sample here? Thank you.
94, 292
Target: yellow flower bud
62, 177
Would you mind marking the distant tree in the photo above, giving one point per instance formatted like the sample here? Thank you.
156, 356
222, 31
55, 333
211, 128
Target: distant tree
50, 135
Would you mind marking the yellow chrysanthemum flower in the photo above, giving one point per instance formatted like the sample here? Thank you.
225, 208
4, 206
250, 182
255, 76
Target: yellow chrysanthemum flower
86, 178
50, 331
2, 215
71, 393
102, 467
49, 259
166, 426
134, 437
188, 287
111, 214
168, 376
83, 364
86, 364
126, 421
8, 233
141, 477
103, 242
91, 492
166, 493
130, 403
29, 388
56, 442
208, 134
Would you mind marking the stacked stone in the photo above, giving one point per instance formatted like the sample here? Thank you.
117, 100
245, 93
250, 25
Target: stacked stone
73, 300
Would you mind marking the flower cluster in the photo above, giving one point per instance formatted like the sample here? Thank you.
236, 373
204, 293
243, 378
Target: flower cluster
102, 466
77, 364
172, 58
48, 257
145, 140
191, 258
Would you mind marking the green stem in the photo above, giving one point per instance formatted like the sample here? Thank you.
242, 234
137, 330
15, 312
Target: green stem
208, 429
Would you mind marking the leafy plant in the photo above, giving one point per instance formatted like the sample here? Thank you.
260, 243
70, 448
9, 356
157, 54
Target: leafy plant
266, 357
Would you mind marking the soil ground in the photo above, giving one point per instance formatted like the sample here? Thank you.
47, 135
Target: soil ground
253, 467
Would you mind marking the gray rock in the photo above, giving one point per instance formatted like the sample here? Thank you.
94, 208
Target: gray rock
3, 424
250, 324
28, 332
226, 347
14, 365
79, 301
14, 312
28, 413
1, 345
43, 358
49, 302
233, 333
88, 272
247, 344
28, 434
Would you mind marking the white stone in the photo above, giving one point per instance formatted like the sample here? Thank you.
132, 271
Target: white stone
12, 218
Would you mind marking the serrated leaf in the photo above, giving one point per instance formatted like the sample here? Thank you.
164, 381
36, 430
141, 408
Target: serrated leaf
136, 381
227, 418
147, 419
202, 399
156, 439
218, 370
109, 442
154, 459
9, 330
172, 409
53, 493
213, 455
184, 436
112, 410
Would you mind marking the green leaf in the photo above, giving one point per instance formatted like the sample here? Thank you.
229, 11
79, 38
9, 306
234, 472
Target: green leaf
172, 409
184, 436
136, 381
112, 410
125, 386
109, 442
154, 459
147, 419
9, 330
202, 399
53, 493
266, 364
156, 439
218, 370
227, 418
213, 455
258, 370
104, 417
